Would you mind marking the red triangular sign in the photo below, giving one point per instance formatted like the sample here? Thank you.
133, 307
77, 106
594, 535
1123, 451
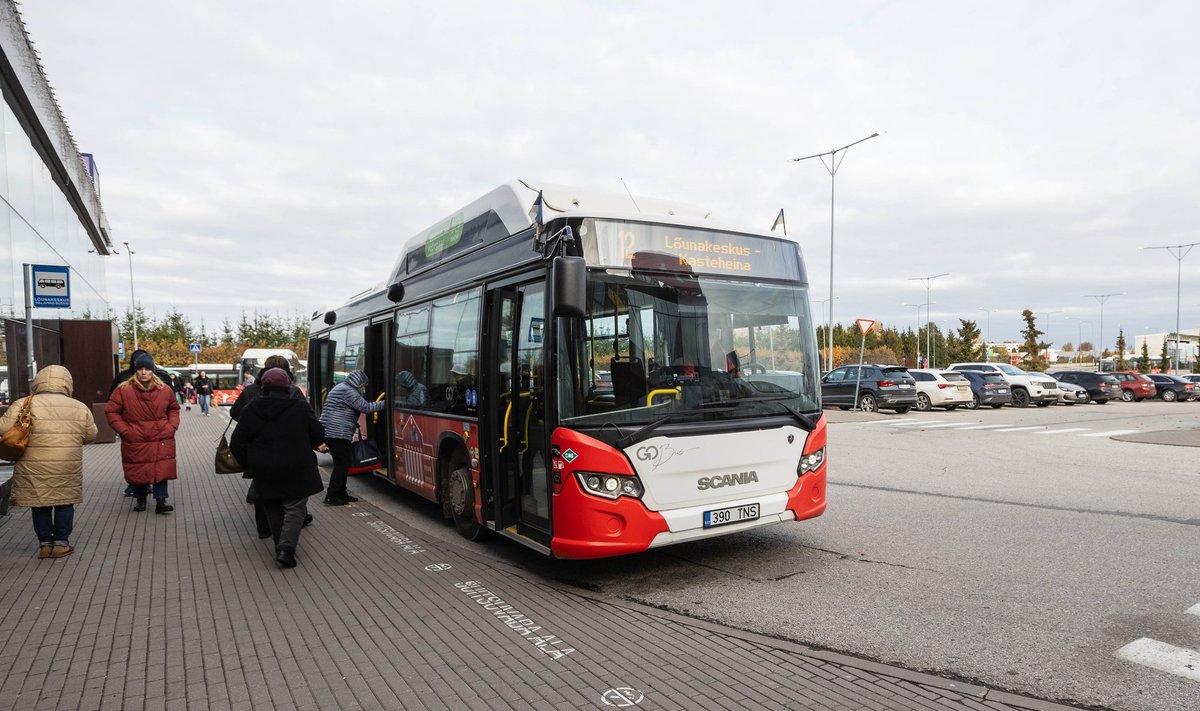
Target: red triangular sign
865, 324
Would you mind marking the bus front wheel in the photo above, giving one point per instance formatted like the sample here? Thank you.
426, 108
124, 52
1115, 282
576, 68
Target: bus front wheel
460, 492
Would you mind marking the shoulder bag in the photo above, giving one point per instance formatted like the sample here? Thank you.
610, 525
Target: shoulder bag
365, 455
225, 462
12, 442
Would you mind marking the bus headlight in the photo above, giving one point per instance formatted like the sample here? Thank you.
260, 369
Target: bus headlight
811, 461
610, 486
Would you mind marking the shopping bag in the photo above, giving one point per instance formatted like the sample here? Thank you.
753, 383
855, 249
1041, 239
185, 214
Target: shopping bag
365, 457
225, 462
12, 442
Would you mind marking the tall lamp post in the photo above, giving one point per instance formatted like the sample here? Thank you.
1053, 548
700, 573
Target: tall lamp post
1102, 298
987, 347
832, 167
919, 307
822, 302
1046, 330
132, 303
1179, 251
928, 282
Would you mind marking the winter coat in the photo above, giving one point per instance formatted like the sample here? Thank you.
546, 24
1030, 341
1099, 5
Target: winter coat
50, 473
203, 385
340, 412
146, 420
274, 439
247, 396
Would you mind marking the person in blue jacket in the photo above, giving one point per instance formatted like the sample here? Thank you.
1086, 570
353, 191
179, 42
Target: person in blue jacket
339, 416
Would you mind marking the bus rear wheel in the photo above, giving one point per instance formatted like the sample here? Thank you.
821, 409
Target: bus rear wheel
460, 493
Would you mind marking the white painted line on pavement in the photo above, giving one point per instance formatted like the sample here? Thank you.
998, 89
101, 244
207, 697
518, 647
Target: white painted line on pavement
1194, 609
1021, 429
892, 422
945, 424
914, 423
1112, 433
1163, 657
1069, 429
984, 427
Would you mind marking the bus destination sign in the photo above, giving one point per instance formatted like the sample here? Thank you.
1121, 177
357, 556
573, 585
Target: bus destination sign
637, 245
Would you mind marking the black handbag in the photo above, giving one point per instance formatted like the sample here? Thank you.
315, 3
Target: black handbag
225, 462
365, 455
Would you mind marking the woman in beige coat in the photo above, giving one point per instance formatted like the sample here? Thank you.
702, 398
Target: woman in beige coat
49, 476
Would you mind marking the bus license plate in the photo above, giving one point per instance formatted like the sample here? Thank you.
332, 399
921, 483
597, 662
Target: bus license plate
734, 514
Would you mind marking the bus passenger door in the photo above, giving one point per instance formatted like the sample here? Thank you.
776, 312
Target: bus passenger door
320, 372
518, 440
377, 367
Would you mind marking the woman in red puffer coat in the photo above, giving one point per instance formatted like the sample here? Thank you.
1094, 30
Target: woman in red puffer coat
144, 412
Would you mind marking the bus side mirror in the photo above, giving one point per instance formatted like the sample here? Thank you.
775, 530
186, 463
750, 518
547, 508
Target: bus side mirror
395, 293
568, 276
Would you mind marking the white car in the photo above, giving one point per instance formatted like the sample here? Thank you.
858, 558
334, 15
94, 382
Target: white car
940, 388
1070, 393
1027, 388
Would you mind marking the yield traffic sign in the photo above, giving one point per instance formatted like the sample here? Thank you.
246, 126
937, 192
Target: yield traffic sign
865, 325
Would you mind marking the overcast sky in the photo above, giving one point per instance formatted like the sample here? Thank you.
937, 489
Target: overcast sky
275, 155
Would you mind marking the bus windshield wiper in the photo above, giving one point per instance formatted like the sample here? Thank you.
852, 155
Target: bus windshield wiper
642, 432
807, 422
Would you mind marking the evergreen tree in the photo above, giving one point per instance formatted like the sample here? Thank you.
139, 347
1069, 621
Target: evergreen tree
1033, 360
1164, 358
1122, 364
1143, 364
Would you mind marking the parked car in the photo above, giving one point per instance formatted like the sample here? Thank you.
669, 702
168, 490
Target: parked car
880, 387
1193, 377
1026, 387
940, 388
987, 389
1071, 394
1173, 388
1134, 385
1101, 387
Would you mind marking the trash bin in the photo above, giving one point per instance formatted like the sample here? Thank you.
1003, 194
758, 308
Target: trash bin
6, 471
104, 433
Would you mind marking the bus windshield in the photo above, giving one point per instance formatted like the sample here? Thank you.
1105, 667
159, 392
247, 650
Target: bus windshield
712, 347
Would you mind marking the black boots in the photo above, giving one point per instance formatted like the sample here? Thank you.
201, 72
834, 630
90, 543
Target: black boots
286, 557
161, 507
140, 504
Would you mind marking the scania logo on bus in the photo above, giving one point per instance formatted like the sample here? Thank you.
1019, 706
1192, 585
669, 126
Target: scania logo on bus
716, 482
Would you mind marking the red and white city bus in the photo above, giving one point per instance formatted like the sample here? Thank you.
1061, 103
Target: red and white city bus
588, 376
226, 379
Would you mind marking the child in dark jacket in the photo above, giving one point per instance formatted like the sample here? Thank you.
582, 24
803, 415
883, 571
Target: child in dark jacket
275, 439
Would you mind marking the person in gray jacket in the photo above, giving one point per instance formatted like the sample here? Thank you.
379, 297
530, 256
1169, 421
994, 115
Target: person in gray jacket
339, 416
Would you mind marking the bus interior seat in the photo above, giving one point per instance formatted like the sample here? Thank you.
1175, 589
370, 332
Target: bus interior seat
629, 379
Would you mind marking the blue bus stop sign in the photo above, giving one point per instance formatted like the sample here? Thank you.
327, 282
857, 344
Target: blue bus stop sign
51, 286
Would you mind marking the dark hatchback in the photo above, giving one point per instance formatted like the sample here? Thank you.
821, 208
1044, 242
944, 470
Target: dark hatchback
1173, 388
988, 388
1101, 387
881, 387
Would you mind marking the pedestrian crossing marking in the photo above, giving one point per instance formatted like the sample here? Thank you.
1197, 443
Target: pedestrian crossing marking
984, 427
1068, 429
1163, 657
1111, 433
918, 423
945, 424
1021, 429
1194, 609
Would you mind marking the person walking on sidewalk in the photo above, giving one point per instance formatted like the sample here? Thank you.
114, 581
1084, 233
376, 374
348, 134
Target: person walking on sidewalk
143, 411
245, 397
126, 375
340, 418
48, 478
204, 389
275, 439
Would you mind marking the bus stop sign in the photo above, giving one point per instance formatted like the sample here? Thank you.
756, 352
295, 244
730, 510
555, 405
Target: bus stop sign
51, 286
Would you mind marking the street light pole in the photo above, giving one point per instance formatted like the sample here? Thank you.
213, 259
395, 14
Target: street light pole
918, 334
1179, 251
832, 167
987, 347
928, 282
1102, 298
822, 302
1046, 331
132, 302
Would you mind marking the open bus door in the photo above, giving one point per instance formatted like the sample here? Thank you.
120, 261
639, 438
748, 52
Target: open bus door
320, 372
513, 425
377, 366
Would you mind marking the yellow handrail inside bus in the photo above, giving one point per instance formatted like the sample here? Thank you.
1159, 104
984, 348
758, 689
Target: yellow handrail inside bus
528, 417
375, 415
507, 415
661, 391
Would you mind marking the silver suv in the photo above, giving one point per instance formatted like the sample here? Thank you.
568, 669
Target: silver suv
1035, 388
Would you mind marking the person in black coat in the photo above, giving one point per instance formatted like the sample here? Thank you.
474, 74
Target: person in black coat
275, 439
248, 395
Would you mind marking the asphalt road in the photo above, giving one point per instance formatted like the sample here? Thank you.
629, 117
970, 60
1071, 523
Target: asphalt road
1022, 559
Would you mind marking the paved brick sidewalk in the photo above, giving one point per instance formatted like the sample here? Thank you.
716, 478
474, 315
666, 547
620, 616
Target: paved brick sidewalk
191, 611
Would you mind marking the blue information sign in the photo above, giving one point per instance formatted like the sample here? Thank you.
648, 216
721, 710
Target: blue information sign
51, 286
194, 348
